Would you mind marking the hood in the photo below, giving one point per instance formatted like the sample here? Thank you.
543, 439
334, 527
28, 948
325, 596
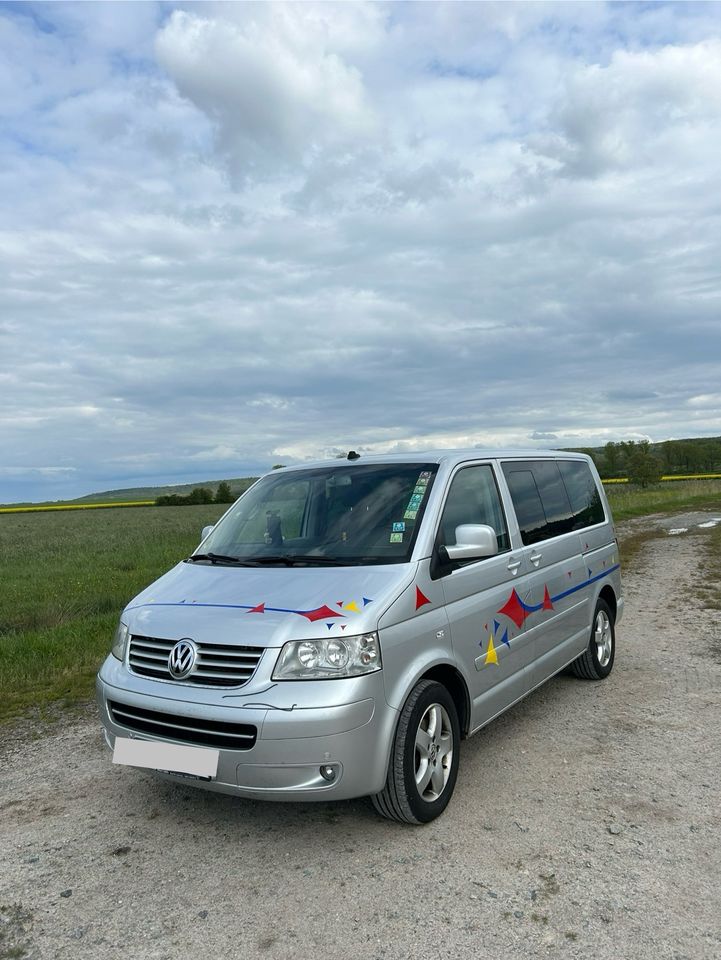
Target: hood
267, 606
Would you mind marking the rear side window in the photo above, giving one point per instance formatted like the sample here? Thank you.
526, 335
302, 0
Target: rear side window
552, 497
582, 492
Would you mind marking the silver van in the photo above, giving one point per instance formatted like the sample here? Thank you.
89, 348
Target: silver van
346, 624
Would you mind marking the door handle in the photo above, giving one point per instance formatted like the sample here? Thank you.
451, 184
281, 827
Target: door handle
513, 566
535, 558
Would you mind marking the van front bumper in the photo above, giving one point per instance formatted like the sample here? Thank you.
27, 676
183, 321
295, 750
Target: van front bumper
292, 742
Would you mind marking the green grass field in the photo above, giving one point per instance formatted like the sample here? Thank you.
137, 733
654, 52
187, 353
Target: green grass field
65, 577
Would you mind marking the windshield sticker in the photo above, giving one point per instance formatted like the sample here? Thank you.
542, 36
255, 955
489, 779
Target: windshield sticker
396, 538
415, 501
410, 514
424, 475
399, 527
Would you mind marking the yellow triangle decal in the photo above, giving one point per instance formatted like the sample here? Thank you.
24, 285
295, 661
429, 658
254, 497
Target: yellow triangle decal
351, 606
491, 655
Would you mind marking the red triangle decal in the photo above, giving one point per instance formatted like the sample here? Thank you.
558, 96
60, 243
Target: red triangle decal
547, 602
421, 598
259, 609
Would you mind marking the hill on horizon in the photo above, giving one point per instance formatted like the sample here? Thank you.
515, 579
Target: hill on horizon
238, 485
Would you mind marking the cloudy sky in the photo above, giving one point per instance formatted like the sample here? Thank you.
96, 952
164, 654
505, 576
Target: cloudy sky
234, 235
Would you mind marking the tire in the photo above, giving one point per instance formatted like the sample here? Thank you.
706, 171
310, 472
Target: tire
424, 757
597, 661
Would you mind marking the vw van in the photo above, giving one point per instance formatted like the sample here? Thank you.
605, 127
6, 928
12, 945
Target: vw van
346, 624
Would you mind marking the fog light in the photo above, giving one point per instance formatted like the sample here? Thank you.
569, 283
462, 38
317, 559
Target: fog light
328, 772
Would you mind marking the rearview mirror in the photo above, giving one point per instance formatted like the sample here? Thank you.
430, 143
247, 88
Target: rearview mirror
473, 541
206, 531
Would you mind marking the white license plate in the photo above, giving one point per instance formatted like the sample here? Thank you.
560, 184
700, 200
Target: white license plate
169, 757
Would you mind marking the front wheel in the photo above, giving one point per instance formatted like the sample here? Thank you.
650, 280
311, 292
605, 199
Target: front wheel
424, 759
597, 661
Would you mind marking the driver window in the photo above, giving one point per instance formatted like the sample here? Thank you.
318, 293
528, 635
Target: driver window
473, 498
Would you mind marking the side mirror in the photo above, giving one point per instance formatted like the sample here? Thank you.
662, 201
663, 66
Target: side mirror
473, 541
206, 531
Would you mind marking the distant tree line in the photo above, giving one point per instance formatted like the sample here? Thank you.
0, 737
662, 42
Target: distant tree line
198, 495
644, 463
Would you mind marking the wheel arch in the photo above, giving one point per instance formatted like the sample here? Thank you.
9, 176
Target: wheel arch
447, 675
609, 596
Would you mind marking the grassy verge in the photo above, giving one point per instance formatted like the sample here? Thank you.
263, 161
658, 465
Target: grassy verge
65, 578
631, 501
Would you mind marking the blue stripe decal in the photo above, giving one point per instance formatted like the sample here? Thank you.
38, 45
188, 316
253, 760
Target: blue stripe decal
227, 606
535, 607
580, 586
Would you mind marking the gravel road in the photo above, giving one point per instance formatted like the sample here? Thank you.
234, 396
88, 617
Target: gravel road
586, 823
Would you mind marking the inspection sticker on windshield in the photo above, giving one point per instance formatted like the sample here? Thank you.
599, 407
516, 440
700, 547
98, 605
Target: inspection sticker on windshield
399, 527
410, 514
396, 538
173, 757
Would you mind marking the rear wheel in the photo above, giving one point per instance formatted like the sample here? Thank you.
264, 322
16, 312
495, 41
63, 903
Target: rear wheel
597, 661
424, 759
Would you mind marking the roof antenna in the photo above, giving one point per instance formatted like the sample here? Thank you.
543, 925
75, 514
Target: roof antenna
352, 455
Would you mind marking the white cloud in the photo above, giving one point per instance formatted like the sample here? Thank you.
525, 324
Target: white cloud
274, 92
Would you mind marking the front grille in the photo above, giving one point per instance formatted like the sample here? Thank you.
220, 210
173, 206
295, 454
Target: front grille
217, 665
169, 726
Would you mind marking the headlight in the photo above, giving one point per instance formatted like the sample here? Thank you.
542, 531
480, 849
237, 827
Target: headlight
332, 657
120, 641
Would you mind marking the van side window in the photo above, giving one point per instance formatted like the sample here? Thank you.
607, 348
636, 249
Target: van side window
526, 502
473, 498
582, 492
540, 499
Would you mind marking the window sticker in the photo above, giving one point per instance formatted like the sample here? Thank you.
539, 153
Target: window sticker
399, 526
424, 475
410, 514
396, 538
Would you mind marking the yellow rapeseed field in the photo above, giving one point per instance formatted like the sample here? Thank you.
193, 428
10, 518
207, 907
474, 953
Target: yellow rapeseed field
78, 506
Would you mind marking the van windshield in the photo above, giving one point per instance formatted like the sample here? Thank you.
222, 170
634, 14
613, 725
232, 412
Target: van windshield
350, 514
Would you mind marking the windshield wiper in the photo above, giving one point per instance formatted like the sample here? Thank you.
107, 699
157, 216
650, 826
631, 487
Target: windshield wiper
222, 558
290, 559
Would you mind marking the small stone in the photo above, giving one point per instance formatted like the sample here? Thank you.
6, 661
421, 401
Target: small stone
121, 851
202, 914
31, 859
518, 914
493, 895
614, 829
66, 893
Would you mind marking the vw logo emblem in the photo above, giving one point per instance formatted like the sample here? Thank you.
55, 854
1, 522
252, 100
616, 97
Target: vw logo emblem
181, 659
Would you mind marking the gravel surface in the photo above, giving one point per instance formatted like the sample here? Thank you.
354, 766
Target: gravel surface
586, 823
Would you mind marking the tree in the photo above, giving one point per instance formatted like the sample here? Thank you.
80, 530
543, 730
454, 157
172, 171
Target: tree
643, 468
224, 494
611, 455
200, 495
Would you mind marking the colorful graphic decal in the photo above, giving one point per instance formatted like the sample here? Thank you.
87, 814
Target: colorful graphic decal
516, 610
323, 612
396, 538
410, 514
491, 655
421, 598
399, 527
